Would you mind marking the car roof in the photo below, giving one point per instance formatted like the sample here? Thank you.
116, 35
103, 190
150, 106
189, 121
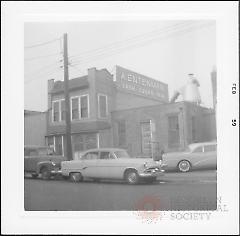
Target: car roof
104, 149
194, 145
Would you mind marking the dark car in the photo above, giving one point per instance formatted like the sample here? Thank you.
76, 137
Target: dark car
41, 161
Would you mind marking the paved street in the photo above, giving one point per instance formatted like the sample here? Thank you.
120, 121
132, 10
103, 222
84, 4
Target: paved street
175, 191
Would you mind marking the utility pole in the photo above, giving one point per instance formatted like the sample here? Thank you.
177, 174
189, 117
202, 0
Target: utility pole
66, 93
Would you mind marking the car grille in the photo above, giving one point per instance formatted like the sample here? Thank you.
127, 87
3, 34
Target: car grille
152, 169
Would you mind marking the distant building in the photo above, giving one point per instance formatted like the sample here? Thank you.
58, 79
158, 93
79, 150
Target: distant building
34, 127
126, 110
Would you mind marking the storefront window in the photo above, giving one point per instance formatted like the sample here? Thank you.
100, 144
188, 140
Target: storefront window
91, 141
58, 145
50, 142
82, 142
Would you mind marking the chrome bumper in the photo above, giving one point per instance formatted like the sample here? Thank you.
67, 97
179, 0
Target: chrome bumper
56, 172
152, 173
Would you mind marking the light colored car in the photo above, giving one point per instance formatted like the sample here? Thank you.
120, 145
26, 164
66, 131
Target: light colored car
111, 163
197, 156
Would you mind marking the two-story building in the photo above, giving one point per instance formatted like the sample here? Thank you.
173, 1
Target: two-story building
124, 109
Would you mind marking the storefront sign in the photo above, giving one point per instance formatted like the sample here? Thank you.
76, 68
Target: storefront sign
139, 84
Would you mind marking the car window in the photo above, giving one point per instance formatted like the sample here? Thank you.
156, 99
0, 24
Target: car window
90, 156
106, 155
198, 149
210, 148
121, 154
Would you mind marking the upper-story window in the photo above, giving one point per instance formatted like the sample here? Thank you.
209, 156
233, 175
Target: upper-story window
80, 107
59, 112
102, 106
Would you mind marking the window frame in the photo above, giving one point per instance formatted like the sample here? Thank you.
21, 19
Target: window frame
59, 101
99, 111
79, 107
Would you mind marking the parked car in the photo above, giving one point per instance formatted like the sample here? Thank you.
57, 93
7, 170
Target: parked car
41, 161
111, 163
197, 156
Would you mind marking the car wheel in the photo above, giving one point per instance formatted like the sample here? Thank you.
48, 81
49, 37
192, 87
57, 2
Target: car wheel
132, 177
184, 166
45, 173
76, 177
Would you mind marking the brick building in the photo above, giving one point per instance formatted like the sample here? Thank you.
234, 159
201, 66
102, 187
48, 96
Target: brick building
124, 109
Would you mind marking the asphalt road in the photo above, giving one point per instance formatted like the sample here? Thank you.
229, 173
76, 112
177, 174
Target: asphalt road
175, 191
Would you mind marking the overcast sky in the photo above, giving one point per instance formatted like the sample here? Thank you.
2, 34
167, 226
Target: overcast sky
163, 50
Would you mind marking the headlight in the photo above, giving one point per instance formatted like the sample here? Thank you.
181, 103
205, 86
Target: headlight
145, 165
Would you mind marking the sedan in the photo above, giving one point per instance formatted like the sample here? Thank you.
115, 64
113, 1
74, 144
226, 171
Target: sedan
111, 163
197, 156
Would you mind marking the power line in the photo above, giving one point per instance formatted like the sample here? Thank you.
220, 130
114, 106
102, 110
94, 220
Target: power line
40, 70
166, 32
138, 37
41, 44
40, 57
127, 47
54, 70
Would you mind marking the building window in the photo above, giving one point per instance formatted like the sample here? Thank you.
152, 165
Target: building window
194, 138
56, 143
121, 133
56, 111
84, 106
173, 131
102, 106
146, 137
75, 108
80, 107
59, 112
50, 142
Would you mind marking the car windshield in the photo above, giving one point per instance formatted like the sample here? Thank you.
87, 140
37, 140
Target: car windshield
121, 154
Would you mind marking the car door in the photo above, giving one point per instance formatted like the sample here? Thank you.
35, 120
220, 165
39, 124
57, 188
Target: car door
107, 165
89, 164
210, 152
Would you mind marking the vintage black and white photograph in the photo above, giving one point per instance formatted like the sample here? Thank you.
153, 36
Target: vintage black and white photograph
124, 111
121, 115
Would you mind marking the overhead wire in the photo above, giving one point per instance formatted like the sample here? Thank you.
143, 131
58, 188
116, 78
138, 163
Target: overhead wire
126, 47
41, 44
41, 57
129, 40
